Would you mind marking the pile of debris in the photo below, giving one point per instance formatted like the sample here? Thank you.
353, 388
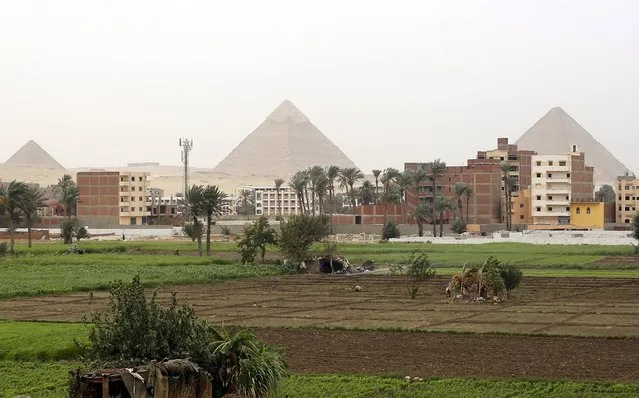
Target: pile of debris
165, 379
340, 265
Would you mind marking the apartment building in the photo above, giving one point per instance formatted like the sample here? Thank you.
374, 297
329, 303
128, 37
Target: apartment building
159, 205
556, 182
627, 202
482, 175
269, 203
108, 198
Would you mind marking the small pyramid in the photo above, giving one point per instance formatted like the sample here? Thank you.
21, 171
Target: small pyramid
283, 144
32, 154
557, 131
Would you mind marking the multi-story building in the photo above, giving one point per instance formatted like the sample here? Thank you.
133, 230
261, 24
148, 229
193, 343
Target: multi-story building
159, 205
109, 198
482, 175
269, 203
521, 207
627, 202
556, 181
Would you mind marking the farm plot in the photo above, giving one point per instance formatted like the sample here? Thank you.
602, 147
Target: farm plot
555, 306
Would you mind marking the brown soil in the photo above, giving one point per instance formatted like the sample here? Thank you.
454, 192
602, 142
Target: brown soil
451, 355
558, 306
618, 260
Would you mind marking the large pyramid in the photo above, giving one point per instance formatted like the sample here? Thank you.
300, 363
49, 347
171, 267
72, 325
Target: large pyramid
556, 132
32, 154
283, 144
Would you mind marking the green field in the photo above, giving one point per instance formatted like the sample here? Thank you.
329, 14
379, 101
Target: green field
49, 380
39, 341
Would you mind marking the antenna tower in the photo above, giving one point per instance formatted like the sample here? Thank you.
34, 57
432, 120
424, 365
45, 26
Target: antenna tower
185, 147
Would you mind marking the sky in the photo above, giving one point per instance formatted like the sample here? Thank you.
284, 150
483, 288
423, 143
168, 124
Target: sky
104, 83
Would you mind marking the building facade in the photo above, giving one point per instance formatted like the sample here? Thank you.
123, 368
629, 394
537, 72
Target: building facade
627, 202
587, 214
108, 198
556, 182
269, 202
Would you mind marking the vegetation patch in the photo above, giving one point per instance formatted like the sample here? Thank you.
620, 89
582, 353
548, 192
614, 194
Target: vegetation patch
41, 341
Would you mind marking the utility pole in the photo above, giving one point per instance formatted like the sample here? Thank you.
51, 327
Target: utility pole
185, 147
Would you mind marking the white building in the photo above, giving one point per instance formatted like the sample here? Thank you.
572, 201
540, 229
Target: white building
551, 189
269, 203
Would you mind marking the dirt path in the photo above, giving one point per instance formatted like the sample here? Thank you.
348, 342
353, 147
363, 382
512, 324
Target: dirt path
457, 355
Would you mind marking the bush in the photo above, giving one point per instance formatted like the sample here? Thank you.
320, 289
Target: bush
416, 269
132, 331
490, 279
390, 230
3, 249
82, 233
459, 226
511, 275
194, 231
225, 230
635, 231
67, 231
256, 237
298, 233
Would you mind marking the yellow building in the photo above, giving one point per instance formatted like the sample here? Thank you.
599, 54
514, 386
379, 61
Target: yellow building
521, 208
135, 205
587, 214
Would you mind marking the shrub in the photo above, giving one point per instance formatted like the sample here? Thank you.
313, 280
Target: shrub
390, 230
3, 249
81, 233
459, 226
635, 231
67, 231
511, 275
225, 230
416, 269
489, 278
298, 233
194, 231
132, 331
257, 236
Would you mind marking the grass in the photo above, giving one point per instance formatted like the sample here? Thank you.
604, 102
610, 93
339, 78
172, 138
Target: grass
375, 386
40, 341
35, 379
30, 276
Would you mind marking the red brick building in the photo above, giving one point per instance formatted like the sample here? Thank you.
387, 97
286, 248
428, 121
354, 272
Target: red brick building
99, 199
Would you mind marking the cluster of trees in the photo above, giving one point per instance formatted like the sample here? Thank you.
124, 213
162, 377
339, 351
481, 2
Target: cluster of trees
202, 203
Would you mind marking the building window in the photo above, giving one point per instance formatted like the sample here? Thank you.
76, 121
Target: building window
538, 163
140, 198
122, 179
140, 179
627, 187
140, 208
620, 198
568, 175
627, 221
549, 197
627, 197
549, 175
549, 208
567, 197
521, 205
122, 199
562, 162
567, 208
133, 209
132, 178
627, 208
588, 210
521, 217
139, 188
122, 209
132, 198
538, 175
538, 208
538, 197
550, 163
578, 211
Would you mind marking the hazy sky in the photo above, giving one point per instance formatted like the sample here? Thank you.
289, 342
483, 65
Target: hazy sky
109, 82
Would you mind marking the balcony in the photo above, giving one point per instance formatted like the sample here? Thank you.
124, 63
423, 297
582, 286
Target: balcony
557, 179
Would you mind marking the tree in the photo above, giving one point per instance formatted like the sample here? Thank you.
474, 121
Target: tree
390, 230
489, 280
315, 173
390, 195
67, 231
193, 203
511, 275
247, 202
257, 236
416, 269
211, 206
298, 233
321, 188
32, 201
436, 170
11, 199
459, 226
68, 194
194, 231
278, 185
298, 184
133, 329
332, 173
635, 231
366, 193
459, 189
422, 214
468, 193
605, 194
376, 173
348, 178
442, 205
509, 184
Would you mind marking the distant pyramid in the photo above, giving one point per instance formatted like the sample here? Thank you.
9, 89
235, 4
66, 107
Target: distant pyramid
556, 132
283, 144
32, 154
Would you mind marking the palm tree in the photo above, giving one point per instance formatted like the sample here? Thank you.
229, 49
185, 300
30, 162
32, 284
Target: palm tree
11, 199
349, 177
314, 174
508, 186
298, 184
423, 213
405, 182
278, 185
212, 199
436, 170
376, 173
367, 193
459, 189
332, 172
68, 193
468, 193
193, 202
442, 205
32, 201
321, 187
247, 201
388, 195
